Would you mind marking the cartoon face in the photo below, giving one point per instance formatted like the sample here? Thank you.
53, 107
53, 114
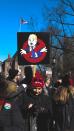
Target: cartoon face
32, 40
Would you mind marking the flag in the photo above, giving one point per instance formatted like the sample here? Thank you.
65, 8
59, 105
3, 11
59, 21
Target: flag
22, 21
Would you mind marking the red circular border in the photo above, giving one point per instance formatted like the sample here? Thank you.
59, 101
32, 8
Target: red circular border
34, 60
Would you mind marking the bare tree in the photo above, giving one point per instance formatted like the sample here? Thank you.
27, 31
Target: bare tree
60, 25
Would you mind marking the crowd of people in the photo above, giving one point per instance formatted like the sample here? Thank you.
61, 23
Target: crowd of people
34, 102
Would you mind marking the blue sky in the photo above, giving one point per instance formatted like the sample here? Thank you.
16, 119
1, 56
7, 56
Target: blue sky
10, 13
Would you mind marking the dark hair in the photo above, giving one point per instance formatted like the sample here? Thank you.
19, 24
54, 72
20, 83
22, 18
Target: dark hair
3, 87
65, 81
28, 73
12, 73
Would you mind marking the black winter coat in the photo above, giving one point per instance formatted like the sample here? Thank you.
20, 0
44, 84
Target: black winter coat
41, 112
10, 116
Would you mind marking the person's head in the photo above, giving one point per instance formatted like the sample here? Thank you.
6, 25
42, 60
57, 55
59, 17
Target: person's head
13, 74
58, 83
65, 80
37, 90
28, 73
47, 82
37, 83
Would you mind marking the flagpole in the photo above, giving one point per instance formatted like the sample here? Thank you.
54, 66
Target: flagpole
22, 21
20, 28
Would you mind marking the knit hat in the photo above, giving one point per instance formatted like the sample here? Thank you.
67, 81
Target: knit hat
37, 81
